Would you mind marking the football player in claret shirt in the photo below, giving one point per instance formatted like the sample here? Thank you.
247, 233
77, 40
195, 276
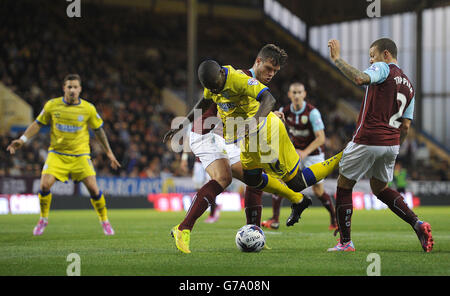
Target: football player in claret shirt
307, 131
383, 123
69, 118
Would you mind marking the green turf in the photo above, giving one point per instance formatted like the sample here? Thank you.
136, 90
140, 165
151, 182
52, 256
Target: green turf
142, 245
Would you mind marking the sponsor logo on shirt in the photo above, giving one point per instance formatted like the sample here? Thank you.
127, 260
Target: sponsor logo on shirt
68, 128
226, 106
299, 133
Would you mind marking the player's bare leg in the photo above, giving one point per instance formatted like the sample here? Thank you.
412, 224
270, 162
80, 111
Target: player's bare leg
327, 202
396, 204
99, 203
45, 199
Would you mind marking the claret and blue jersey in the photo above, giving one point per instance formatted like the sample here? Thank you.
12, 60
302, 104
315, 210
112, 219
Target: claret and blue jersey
389, 97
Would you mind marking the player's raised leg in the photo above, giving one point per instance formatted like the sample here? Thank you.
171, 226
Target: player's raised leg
45, 199
319, 171
99, 203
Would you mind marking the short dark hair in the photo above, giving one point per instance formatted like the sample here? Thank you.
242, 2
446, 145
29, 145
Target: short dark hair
385, 44
208, 74
71, 77
276, 54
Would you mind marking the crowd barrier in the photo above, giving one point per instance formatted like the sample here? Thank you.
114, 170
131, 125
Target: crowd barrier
19, 194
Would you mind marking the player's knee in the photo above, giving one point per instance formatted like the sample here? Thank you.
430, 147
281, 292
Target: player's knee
45, 186
317, 190
224, 180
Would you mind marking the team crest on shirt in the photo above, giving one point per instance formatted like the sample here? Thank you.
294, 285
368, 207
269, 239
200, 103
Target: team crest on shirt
80, 118
252, 81
304, 119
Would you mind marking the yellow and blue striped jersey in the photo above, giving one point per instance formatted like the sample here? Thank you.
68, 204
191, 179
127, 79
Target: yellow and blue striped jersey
238, 99
69, 134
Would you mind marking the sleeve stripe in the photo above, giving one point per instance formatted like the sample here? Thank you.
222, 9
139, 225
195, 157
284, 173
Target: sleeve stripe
259, 94
40, 122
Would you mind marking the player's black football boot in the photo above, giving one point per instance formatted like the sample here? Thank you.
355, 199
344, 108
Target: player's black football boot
297, 210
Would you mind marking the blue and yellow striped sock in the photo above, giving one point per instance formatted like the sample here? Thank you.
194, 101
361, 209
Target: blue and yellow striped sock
316, 172
275, 186
99, 204
45, 199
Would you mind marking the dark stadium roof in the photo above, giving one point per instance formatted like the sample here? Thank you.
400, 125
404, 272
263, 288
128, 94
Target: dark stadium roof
321, 12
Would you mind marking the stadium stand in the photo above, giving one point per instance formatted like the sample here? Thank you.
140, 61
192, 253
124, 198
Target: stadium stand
125, 65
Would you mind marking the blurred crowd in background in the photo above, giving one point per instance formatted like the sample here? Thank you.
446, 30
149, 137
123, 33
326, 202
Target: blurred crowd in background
126, 57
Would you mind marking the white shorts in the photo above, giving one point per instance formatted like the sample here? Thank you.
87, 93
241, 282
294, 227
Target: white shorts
373, 161
199, 175
310, 160
210, 147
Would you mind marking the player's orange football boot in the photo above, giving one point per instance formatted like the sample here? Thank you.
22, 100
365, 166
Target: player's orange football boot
271, 224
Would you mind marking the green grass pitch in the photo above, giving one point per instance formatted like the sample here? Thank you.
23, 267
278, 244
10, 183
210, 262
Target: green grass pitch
143, 246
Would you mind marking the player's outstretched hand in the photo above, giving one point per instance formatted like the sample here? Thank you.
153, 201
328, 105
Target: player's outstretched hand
169, 135
280, 114
335, 49
15, 145
114, 163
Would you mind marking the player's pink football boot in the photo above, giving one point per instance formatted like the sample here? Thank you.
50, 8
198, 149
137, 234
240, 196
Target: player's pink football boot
107, 229
423, 231
215, 217
40, 227
211, 219
347, 247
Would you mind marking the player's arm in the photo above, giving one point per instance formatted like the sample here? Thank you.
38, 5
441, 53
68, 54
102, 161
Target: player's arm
319, 131
266, 105
280, 114
404, 129
103, 139
355, 75
202, 104
407, 117
30, 132
318, 141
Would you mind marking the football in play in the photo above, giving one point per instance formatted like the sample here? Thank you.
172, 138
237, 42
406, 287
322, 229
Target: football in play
250, 238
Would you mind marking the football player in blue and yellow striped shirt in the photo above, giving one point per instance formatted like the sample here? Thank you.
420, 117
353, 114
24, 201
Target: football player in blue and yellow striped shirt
69, 118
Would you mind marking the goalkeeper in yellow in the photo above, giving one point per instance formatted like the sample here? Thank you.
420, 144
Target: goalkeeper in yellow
244, 105
69, 118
